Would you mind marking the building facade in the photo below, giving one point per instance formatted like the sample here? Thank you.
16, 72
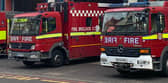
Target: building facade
30, 5
2, 2
19, 5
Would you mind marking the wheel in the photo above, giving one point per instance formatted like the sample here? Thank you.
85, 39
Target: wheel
57, 59
165, 66
1, 50
28, 63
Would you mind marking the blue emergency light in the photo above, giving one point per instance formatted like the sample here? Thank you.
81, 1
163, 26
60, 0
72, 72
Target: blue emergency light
116, 5
137, 4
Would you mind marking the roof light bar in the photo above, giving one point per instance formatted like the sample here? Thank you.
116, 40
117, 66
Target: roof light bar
136, 4
139, 4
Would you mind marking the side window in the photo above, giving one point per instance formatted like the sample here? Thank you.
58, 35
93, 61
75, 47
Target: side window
161, 23
51, 24
158, 23
48, 25
88, 21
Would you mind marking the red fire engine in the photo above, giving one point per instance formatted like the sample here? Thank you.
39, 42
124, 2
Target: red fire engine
57, 33
3, 31
135, 37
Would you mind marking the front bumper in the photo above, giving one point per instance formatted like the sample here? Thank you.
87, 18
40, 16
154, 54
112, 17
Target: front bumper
26, 56
141, 62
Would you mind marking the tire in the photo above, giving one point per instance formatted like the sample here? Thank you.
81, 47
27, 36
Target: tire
1, 50
57, 59
28, 63
165, 66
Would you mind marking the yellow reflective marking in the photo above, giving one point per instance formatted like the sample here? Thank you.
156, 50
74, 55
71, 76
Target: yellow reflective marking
8, 20
150, 37
165, 35
86, 45
20, 20
84, 33
49, 36
2, 35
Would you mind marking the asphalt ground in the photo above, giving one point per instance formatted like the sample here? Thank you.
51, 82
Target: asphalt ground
86, 70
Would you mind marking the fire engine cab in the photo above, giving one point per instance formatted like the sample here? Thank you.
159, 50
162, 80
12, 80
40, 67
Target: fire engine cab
57, 33
135, 37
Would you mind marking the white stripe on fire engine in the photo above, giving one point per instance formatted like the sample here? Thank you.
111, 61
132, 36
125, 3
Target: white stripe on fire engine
86, 13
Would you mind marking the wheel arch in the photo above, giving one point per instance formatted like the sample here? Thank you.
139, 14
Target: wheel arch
165, 50
59, 46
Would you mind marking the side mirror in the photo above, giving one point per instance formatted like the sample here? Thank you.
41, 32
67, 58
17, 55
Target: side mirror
161, 22
100, 22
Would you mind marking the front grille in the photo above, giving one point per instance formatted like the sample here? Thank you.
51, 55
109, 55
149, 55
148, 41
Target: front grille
21, 45
125, 52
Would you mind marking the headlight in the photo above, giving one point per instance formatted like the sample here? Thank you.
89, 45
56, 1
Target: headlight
143, 62
33, 47
34, 56
103, 59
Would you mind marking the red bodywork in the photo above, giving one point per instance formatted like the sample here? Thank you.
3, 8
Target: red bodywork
3, 27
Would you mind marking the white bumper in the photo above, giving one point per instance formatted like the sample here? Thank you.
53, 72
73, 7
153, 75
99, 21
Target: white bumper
142, 62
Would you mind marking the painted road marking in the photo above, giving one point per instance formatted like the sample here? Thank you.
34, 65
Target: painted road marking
97, 63
53, 81
28, 78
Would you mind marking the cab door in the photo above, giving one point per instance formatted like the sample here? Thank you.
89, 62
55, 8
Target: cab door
50, 32
157, 30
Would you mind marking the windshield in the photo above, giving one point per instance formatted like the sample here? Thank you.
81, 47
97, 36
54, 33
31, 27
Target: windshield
25, 26
125, 23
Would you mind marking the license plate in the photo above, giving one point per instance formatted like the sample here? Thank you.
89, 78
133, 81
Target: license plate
121, 60
20, 55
